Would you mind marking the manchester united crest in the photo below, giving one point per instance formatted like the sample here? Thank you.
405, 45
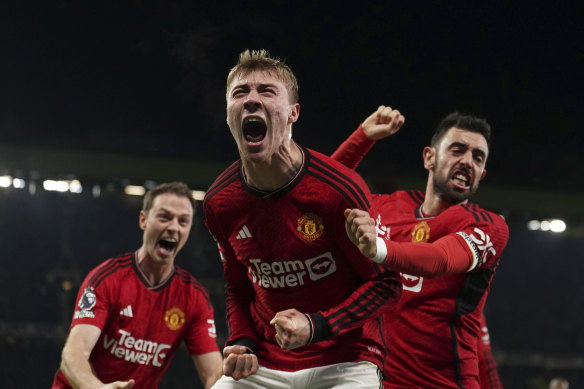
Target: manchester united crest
421, 232
174, 318
310, 226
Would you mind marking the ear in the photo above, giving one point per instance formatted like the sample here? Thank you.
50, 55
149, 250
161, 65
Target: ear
429, 156
483, 174
142, 220
294, 113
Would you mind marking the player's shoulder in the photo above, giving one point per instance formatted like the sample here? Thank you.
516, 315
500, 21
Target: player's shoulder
401, 199
319, 160
110, 270
345, 182
480, 215
223, 180
470, 215
189, 281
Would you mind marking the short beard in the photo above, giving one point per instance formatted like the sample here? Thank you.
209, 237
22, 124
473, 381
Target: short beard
447, 194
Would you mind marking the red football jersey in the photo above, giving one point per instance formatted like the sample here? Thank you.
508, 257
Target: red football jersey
433, 333
289, 249
489, 376
142, 326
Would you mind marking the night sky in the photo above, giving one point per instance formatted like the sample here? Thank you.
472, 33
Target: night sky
149, 77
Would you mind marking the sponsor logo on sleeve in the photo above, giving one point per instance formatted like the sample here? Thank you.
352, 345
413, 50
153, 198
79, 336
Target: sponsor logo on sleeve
211, 328
382, 231
86, 304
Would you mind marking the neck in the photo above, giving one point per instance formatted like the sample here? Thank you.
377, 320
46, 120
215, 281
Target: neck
156, 273
433, 204
276, 171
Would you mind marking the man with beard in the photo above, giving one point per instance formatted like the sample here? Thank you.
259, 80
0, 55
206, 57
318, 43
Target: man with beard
446, 249
303, 304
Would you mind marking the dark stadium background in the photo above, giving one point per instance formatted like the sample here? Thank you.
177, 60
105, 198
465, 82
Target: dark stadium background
132, 92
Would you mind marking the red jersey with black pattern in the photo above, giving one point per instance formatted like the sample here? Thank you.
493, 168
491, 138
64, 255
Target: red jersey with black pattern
432, 335
289, 249
489, 376
142, 326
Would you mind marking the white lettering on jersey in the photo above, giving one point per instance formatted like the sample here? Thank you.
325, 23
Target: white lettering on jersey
480, 246
412, 283
382, 231
291, 273
141, 351
211, 329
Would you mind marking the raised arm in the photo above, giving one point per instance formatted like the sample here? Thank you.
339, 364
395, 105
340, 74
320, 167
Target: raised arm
380, 124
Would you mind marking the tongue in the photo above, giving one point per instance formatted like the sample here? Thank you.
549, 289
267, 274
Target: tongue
254, 138
166, 249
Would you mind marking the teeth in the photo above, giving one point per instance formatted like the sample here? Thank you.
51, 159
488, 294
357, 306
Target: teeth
247, 120
460, 177
170, 240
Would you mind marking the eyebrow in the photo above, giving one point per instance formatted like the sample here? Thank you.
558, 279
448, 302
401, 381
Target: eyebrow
172, 213
260, 86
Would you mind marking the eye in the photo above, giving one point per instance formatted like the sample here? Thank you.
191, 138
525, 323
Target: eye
268, 90
479, 158
163, 217
237, 92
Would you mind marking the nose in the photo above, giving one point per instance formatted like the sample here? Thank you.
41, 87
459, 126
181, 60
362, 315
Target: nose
252, 100
173, 226
466, 159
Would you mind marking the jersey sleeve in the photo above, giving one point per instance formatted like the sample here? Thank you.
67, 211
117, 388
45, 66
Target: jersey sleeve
353, 149
238, 289
484, 235
201, 336
379, 292
477, 241
488, 375
93, 302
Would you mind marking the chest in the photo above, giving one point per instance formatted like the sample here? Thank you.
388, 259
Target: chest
140, 316
304, 223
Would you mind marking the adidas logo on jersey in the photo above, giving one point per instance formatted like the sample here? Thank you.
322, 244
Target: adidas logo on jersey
244, 233
127, 311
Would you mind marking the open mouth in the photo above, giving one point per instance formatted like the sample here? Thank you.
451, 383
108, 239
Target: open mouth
254, 130
461, 179
168, 245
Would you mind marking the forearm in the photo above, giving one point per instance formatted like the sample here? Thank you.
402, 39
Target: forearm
444, 256
353, 149
369, 300
76, 368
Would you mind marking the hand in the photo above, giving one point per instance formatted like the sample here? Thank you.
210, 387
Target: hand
362, 231
120, 385
292, 329
383, 123
237, 364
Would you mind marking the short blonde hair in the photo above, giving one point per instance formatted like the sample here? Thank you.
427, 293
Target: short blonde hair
251, 60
